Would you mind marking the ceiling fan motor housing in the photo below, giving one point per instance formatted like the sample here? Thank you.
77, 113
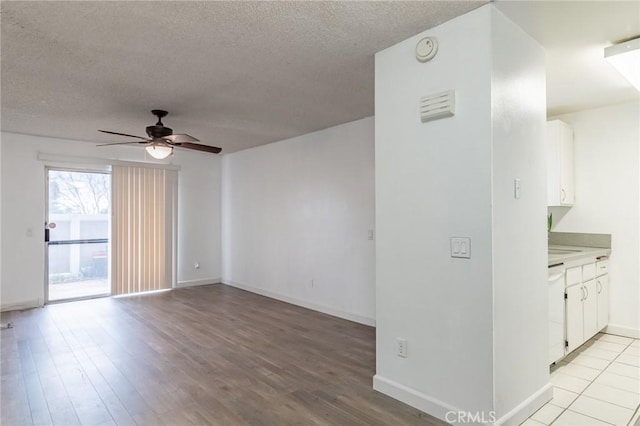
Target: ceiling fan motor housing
157, 131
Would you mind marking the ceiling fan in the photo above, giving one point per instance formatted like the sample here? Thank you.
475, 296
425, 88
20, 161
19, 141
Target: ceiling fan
161, 140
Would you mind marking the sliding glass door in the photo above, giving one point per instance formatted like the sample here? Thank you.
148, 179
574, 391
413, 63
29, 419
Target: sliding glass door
77, 234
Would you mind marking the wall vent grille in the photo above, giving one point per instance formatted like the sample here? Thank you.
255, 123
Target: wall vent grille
437, 106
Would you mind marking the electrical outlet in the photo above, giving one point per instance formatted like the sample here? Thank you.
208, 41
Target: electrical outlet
401, 347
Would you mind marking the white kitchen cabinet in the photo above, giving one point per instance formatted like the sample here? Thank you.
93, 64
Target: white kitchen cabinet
575, 323
590, 310
557, 287
602, 289
602, 267
560, 183
587, 302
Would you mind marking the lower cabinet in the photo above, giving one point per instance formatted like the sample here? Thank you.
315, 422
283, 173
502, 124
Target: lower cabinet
582, 313
575, 323
590, 310
602, 288
587, 310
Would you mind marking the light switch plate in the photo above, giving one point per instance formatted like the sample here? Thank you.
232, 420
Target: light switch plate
401, 347
461, 247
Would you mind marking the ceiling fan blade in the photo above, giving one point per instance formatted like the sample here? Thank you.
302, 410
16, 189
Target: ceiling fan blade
122, 134
121, 143
181, 138
199, 147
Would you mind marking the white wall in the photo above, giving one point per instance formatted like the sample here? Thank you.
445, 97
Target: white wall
199, 218
433, 182
607, 176
23, 195
520, 260
454, 177
300, 210
1, 221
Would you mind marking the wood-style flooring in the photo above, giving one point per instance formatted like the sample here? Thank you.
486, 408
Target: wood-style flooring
192, 356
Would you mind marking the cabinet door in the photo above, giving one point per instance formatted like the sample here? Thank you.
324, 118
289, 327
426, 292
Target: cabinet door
566, 165
575, 323
590, 309
602, 288
556, 316
553, 162
560, 184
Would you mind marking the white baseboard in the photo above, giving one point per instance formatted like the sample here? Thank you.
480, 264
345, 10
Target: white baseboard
635, 420
413, 397
29, 304
619, 330
191, 283
305, 304
526, 408
440, 409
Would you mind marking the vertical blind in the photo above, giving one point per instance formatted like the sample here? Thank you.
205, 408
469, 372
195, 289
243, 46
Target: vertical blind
143, 209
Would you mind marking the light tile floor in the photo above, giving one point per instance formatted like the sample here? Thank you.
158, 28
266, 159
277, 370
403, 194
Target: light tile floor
597, 384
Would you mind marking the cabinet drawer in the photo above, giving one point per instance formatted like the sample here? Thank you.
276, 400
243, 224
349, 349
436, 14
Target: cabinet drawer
588, 272
602, 267
574, 276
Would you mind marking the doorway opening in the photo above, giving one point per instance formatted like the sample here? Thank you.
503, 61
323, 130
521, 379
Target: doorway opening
77, 229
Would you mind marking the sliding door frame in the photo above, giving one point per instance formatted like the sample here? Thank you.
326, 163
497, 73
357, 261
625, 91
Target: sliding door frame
103, 169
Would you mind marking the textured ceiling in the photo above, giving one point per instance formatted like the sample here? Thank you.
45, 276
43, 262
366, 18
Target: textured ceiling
233, 74
574, 35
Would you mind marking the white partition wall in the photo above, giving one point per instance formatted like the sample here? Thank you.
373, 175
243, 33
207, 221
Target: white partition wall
519, 246
298, 218
470, 324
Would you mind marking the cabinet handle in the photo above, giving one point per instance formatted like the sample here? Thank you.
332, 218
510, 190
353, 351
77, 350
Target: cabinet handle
582, 289
599, 286
587, 296
564, 195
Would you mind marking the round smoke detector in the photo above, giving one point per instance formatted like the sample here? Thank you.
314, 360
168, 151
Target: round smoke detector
426, 49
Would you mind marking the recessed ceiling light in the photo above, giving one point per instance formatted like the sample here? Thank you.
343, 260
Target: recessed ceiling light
625, 57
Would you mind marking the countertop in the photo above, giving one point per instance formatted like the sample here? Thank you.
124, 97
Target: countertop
566, 253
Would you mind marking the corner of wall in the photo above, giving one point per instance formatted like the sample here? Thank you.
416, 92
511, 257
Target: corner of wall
518, 232
199, 282
526, 408
303, 303
414, 398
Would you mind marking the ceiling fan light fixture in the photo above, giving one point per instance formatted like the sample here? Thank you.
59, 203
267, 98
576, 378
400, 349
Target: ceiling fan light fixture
161, 140
159, 150
625, 57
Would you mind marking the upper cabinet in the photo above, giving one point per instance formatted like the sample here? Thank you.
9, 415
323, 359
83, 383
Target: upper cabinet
560, 186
